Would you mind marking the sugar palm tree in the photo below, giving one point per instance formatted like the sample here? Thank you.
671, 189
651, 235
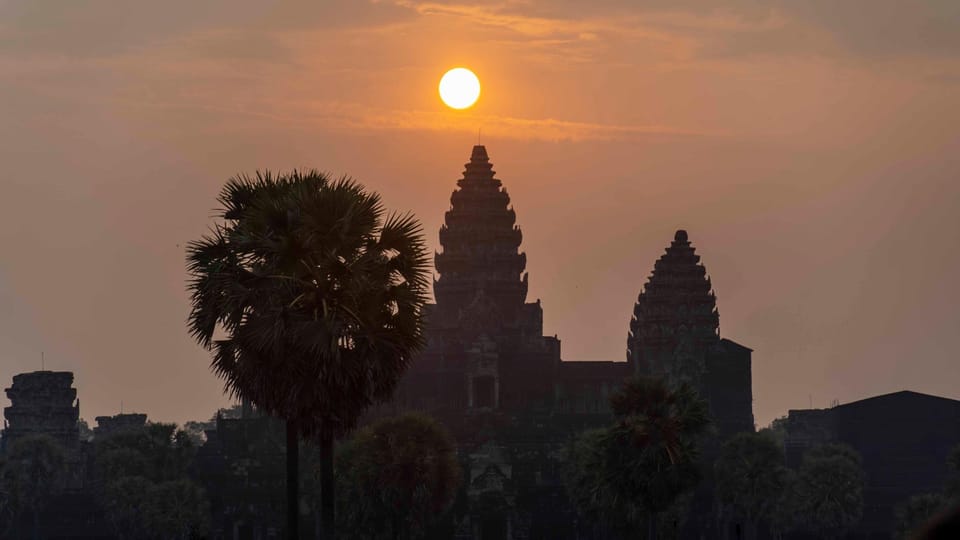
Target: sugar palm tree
310, 298
828, 493
750, 476
652, 449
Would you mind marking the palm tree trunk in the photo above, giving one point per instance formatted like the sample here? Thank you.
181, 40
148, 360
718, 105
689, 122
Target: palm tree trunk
326, 485
293, 481
652, 527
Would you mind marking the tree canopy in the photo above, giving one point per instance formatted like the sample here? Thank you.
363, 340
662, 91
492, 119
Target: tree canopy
827, 496
317, 292
143, 483
641, 465
33, 472
315, 296
396, 478
750, 476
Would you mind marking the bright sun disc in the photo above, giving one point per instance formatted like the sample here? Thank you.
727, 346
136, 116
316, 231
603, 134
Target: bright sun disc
459, 88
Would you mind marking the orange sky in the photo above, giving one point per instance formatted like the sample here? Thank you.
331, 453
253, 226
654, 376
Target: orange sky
809, 148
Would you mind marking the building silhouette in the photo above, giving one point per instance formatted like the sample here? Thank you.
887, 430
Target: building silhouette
501, 387
110, 425
43, 403
904, 439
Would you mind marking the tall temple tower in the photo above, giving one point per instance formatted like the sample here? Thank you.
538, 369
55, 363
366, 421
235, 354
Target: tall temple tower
486, 349
674, 333
480, 246
43, 403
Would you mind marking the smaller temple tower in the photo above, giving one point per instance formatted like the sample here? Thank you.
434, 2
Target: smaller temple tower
675, 333
43, 403
675, 321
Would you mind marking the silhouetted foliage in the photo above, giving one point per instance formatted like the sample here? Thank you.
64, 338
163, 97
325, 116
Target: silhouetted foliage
196, 429
750, 475
158, 452
638, 468
921, 514
177, 509
143, 484
827, 496
125, 503
32, 474
591, 494
777, 430
914, 513
396, 479
318, 295
86, 434
783, 518
951, 489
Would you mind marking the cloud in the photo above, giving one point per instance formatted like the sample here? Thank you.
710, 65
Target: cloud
864, 28
353, 117
97, 28
549, 129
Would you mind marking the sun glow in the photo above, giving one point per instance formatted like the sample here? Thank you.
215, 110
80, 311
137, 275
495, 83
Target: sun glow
459, 88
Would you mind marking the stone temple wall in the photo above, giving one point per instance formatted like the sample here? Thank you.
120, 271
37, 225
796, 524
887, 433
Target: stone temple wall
107, 425
43, 403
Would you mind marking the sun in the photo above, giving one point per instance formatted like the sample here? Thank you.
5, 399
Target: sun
459, 88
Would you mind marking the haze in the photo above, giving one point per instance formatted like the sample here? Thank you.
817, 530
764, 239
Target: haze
809, 148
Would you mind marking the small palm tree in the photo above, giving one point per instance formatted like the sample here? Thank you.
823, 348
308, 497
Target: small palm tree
750, 477
828, 493
651, 452
310, 298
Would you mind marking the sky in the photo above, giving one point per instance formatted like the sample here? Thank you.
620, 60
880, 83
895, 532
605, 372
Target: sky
809, 148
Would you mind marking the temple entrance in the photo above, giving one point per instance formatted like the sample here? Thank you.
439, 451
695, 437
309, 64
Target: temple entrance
484, 392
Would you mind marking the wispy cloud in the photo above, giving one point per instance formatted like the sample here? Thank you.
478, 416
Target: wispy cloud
550, 129
332, 116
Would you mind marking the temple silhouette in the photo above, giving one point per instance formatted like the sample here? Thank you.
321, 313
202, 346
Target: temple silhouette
500, 385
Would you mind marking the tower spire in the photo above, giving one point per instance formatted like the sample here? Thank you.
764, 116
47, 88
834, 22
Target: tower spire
480, 243
675, 320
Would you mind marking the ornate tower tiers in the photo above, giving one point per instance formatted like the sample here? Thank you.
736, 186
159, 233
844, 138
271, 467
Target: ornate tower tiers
480, 246
675, 320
